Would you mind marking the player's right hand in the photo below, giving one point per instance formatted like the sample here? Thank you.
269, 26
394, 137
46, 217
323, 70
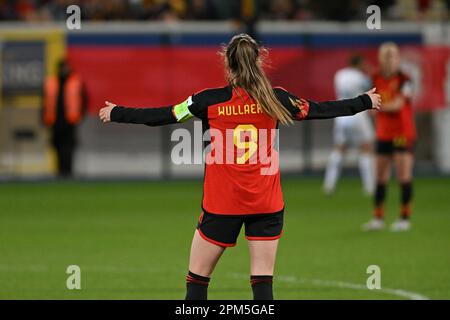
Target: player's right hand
375, 98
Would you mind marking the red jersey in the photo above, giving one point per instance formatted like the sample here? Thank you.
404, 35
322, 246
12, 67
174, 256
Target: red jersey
400, 124
240, 156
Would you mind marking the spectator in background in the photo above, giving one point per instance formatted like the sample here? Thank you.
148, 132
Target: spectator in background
25, 9
201, 10
159, 9
54, 10
343, 10
283, 9
246, 13
7, 10
64, 106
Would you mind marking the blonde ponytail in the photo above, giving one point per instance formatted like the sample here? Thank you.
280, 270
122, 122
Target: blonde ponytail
244, 60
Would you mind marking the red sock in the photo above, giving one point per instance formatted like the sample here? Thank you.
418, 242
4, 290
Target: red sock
379, 212
405, 211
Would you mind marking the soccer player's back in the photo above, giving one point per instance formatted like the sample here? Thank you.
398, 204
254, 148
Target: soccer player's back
241, 151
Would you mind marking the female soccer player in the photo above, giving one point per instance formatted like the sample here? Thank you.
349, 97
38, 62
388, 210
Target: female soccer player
396, 134
241, 189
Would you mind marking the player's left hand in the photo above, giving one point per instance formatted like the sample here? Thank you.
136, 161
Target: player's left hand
105, 112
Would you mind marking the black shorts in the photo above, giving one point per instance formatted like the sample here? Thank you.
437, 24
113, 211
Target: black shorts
223, 230
388, 147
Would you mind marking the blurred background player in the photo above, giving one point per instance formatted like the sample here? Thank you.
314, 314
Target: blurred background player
396, 135
354, 131
64, 106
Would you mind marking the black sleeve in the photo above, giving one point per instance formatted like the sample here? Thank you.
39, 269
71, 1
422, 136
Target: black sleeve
200, 101
302, 109
148, 116
339, 108
198, 107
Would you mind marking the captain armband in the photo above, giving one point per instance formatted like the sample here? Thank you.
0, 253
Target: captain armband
181, 110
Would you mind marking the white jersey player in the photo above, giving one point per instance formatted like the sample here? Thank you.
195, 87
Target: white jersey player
352, 131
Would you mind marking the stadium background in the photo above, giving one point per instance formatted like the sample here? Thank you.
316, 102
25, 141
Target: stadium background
151, 53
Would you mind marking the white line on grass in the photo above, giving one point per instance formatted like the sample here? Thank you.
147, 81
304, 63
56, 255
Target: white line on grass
347, 285
289, 279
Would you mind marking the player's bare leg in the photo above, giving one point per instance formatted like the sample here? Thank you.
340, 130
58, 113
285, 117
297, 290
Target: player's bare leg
202, 261
333, 169
366, 167
404, 162
383, 173
262, 263
204, 256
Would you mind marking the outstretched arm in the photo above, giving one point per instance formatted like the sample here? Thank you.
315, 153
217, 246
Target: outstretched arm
306, 110
148, 116
346, 107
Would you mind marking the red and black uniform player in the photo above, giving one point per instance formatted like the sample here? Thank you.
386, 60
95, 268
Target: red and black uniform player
241, 181
395, 133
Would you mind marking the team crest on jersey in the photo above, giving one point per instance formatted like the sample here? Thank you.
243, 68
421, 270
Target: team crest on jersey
303, 107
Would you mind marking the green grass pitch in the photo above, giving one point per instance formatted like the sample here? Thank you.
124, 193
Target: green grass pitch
131, 241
